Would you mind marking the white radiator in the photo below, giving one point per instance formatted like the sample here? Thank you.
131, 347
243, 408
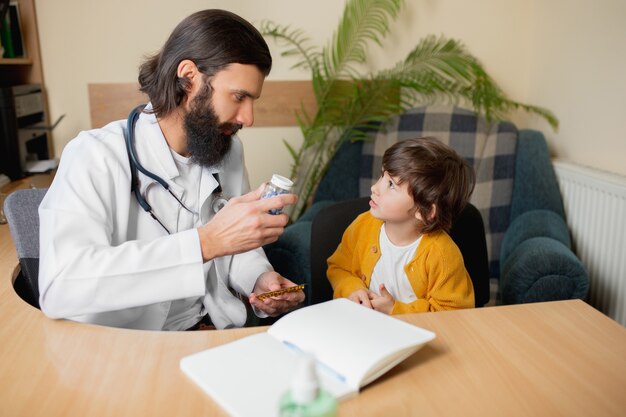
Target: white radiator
595, 208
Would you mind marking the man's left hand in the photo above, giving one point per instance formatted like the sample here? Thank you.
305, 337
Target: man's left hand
274, 306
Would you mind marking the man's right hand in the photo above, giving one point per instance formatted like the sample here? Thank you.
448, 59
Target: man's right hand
244, 224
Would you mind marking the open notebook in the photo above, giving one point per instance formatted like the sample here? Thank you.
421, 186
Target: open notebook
353, 346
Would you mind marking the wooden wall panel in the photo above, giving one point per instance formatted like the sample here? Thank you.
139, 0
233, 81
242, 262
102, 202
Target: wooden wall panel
280, 100
276, 107
109, 102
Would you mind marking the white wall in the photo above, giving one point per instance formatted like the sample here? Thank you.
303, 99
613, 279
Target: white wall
88, 41
577, 69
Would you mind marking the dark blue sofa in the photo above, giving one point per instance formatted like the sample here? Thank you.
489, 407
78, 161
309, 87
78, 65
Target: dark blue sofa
536, 261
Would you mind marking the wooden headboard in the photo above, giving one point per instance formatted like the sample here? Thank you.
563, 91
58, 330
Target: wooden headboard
276, 107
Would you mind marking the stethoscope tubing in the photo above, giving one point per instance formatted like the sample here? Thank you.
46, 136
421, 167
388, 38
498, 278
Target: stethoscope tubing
135, 166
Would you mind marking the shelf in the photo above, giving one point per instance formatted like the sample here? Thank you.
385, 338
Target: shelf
27, 69
16, 61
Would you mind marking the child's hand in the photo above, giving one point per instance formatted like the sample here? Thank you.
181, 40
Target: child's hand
361, 297
384, 303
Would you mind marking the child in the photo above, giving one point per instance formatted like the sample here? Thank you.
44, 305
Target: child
398, 257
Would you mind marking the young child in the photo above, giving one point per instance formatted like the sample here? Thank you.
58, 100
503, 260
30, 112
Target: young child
398, 257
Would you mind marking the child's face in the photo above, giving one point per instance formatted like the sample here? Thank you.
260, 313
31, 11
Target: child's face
391, 202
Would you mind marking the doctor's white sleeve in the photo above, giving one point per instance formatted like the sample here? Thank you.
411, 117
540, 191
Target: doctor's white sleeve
246, 268
87, 265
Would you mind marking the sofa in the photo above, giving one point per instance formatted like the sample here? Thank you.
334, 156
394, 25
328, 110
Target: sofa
530, 252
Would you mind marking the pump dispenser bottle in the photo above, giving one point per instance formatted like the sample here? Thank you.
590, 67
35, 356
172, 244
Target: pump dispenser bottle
305, 398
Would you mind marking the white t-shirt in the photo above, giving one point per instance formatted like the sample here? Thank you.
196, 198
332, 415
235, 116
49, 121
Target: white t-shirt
389, 269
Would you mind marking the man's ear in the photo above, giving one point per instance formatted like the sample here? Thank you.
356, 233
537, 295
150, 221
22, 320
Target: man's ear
188, 70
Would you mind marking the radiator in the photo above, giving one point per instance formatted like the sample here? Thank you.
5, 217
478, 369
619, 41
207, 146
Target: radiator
595, 208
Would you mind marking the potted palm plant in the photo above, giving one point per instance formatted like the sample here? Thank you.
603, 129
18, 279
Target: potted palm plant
351, 104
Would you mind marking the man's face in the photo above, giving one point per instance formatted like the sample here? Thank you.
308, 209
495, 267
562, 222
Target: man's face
221, 105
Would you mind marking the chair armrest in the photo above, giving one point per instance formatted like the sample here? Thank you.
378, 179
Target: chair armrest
341, 180
312, 211
542, 269
537, 262
535, 185
534, 223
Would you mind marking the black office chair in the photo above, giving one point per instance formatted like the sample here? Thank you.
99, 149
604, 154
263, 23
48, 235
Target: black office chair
21, 210
468, 232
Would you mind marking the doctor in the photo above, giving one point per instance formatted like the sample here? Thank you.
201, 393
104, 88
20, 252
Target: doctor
104, 259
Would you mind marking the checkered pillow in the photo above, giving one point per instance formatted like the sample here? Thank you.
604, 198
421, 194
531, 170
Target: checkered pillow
489, 148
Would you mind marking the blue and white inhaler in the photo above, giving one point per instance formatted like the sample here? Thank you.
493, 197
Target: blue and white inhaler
277, 185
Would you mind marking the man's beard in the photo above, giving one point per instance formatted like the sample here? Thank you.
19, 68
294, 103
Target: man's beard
207, 145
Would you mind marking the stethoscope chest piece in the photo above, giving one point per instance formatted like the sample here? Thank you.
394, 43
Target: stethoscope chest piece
219, 201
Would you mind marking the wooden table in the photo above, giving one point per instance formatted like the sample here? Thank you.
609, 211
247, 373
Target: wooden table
38, 181
549, 359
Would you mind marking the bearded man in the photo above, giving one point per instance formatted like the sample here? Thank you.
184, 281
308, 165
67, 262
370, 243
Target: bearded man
130, 235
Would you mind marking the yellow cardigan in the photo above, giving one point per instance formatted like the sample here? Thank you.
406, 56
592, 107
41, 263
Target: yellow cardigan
437, 273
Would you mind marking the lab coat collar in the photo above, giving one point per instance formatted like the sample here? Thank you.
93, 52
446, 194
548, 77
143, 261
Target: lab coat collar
149, 140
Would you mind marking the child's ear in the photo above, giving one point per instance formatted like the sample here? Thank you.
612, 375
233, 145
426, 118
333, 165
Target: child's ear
433, 212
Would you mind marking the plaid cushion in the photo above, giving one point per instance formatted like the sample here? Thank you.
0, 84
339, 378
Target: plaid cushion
489, 148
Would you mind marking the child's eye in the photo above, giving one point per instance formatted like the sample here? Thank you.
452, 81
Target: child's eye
391, 185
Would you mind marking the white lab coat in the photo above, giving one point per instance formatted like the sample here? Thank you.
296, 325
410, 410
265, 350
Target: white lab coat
104, 260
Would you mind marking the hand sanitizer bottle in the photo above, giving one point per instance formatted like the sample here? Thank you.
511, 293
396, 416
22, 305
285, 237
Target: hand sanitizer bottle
306, 398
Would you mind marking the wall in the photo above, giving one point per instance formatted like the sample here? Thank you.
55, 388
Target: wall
577, 67
89, 41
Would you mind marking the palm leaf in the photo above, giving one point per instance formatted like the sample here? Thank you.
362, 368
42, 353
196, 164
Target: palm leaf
363, 21
351, 106
296, 42
292, 151
438, 67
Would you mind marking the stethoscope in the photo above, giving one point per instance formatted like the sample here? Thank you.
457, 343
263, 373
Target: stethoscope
219, 200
